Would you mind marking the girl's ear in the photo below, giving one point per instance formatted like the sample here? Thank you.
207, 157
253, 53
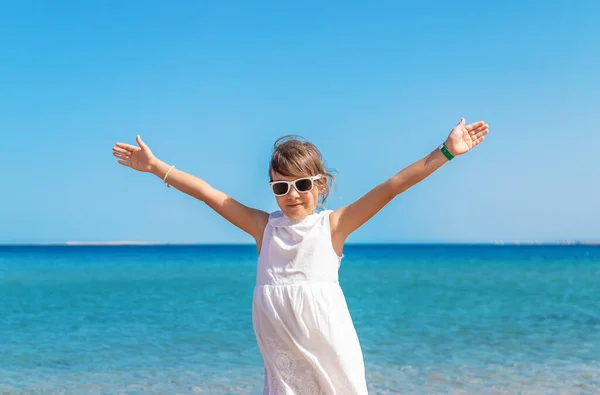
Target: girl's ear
322, 183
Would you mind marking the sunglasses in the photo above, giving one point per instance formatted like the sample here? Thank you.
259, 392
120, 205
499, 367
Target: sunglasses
302, 185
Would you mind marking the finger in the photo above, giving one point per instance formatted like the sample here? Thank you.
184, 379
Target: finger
122, 156
128, 147
478, 136
474, 125
125, 163
478, 140
483, 130
478, 130
461, 122
140, 142
120, 150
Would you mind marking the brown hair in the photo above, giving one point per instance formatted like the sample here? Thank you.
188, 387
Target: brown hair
295, 157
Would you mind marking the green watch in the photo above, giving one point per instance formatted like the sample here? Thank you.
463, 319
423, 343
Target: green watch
445, 151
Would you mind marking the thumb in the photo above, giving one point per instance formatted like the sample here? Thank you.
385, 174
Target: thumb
140, 142
461, 122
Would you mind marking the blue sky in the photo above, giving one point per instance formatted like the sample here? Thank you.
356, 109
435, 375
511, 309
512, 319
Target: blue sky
210, 86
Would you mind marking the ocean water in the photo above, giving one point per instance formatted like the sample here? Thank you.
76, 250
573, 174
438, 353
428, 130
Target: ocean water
177, 319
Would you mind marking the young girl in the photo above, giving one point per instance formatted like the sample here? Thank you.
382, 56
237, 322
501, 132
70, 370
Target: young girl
300, 317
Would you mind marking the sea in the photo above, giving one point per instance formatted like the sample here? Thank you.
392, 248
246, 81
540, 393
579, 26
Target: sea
169, 319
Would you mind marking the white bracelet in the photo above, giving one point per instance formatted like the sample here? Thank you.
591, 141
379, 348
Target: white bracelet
166, 175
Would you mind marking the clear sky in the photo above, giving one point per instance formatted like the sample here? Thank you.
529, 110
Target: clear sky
376, 86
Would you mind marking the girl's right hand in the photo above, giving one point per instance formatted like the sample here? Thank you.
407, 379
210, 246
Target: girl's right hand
138, 158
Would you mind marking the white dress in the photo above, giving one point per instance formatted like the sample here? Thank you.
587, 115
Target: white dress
300, 316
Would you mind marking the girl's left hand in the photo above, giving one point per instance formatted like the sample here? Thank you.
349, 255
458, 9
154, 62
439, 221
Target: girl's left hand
464, 137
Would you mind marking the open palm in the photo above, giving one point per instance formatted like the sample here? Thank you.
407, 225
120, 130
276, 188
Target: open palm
138, 158
464, 137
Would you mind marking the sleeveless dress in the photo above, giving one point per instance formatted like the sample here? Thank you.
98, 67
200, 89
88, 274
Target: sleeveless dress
300, 316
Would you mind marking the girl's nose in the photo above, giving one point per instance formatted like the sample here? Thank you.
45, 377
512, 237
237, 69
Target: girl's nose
293, 193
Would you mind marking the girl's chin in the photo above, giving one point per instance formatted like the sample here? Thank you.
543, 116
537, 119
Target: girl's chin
294, 211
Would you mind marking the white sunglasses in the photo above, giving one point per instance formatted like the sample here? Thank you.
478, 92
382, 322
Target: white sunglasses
302, 185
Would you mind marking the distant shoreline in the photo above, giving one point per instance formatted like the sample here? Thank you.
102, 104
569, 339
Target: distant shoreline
152, 243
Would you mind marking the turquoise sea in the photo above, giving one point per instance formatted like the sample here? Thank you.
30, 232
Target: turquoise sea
432, 319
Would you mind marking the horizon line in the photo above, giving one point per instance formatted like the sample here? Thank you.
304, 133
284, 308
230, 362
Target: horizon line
152, 243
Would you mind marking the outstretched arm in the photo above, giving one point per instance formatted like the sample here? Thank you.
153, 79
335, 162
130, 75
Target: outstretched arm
141, 158
347, 219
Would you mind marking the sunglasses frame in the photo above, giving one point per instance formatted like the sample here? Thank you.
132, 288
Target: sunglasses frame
291, 184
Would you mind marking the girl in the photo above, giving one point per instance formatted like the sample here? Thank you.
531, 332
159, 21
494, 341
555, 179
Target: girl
299, 313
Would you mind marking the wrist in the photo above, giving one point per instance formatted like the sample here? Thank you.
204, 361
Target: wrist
447, 151
159, 168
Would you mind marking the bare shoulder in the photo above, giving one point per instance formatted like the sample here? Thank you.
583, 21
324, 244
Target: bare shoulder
334, 219
261, 223
337, 238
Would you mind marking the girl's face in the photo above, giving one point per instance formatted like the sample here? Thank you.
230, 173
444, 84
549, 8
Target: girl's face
298, 205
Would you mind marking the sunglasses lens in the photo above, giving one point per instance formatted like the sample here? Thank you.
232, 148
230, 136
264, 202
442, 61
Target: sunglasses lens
280, 188
304, 185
